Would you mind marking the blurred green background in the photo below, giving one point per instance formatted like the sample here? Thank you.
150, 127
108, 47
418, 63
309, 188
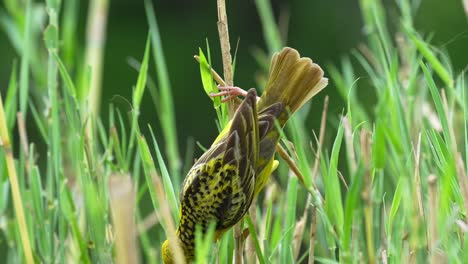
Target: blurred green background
323, 30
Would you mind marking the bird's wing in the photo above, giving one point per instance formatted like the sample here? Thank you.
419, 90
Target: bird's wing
242, 150
220, 186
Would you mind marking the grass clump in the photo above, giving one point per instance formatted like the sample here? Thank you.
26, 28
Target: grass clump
390, 186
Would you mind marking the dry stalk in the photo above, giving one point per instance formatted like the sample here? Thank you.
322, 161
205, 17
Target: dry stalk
223, 31
95, 41
403, 50
214, 74
22, 133
166, 218
299, 229
453, 139
433, 258
17, 202
122, 201
323, 125
340, 175
313, 230
291, 164
271, 192
370, 56
417, 178
348, 134
384, 238
463, 181
23, 136
313, 214
367, 194
250, 251
384, 257
148, 222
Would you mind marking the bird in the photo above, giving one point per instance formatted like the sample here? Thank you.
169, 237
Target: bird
222, 184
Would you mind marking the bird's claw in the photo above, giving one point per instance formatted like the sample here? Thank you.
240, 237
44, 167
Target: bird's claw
230, 92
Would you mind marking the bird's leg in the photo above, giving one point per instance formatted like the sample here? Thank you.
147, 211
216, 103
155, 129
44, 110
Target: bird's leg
230, 92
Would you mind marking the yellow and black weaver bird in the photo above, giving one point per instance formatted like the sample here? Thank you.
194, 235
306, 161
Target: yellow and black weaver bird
225, 180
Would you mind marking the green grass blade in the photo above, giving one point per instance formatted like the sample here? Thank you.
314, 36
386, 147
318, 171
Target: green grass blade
290, 219
254, 236
148, 168
25, 59
203, 242
270, 30
425, 50
142, 76
65, 76
351, 209
166, 115
438, 103
11, 104
69, 27
394, 208
334, 206
207, 79
168, 186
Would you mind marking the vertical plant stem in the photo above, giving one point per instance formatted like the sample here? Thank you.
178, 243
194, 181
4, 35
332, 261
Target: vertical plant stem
224, 40
95, 40
349, 145
24, 80
463, 182
417, 211
323, 126
54, 171
417, 178
122, 201
313, 214
69, 27
23, 136
451, 133
223, 31
299, 229
367, 195
313, 231
291, 164
25, 58
432, 221
17, 203
384, 256
250, 247
227, 70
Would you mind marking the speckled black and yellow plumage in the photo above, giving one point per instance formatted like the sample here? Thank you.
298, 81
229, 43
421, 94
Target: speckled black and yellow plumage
225, 180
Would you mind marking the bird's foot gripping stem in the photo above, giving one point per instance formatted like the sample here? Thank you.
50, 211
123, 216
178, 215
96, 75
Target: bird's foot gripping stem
230, 92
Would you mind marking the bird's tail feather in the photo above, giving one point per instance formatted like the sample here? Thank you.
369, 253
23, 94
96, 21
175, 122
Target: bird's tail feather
292, 81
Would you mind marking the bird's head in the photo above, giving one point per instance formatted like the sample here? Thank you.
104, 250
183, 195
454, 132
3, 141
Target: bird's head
166, 253
169, 257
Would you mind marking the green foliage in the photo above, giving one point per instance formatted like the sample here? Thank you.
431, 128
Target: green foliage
392, 173
210, 88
